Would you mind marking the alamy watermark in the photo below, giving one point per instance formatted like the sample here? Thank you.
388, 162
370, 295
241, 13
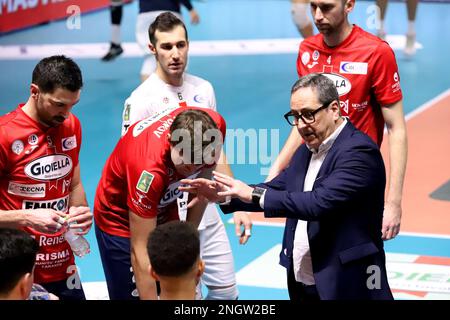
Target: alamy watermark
250, 146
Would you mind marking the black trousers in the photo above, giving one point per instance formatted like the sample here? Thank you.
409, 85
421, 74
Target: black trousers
299, 291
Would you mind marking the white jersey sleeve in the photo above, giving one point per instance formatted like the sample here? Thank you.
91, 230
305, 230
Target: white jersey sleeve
138, 105
133, 111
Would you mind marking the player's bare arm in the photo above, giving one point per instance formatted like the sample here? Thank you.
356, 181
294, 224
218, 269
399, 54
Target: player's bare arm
140, 229
398, 153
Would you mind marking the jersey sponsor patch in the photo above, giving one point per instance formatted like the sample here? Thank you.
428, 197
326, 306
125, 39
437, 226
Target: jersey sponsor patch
305, 58
17, 147
27, 190
142, 201
33, 139
126, 112
60, 204
353, 67
69, 143
49, 167
316, 55
172, 193
60, 256
145, 181
199, 98
342, 84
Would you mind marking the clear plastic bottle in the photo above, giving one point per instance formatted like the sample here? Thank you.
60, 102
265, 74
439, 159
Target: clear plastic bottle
79, 244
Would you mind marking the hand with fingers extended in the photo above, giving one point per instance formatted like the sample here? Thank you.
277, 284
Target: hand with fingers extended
233, 188
219, 189
46, 220
80, 218
202, 188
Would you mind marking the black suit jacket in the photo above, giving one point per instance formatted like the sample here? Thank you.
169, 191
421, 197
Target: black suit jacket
344, 211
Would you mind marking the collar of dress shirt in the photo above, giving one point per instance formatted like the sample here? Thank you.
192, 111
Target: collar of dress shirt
328, 142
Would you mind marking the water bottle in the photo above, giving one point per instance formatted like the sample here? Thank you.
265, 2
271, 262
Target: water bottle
80, 246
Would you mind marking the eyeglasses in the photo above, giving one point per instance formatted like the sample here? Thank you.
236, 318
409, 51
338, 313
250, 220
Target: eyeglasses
307, 117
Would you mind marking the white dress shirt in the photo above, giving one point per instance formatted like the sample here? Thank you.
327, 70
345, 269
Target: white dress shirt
301, 255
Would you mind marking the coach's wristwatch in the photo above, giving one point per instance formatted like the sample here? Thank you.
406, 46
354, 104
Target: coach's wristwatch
257, 193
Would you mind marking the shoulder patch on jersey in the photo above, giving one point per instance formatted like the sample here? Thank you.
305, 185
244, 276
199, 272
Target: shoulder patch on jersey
126, 112
145, 181
305, 57
17, 147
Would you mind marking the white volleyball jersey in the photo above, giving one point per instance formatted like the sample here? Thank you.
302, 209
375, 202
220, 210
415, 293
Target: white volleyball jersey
154, 95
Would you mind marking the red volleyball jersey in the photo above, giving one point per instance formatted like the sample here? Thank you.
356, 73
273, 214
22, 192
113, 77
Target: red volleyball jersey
365, 72
36, 169
139, 175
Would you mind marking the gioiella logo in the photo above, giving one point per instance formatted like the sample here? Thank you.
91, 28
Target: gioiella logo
50, 167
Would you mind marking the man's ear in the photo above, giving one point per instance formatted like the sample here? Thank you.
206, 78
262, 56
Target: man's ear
153, 274
152, 48
349, 5
24, 285
34, 91
201, 268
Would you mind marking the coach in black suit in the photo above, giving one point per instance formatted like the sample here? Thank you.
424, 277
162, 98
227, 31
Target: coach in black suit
332, 195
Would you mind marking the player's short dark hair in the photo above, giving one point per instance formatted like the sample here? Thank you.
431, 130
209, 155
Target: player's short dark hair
17, 257
57, 72
324, 87
186, 124
165, 22
174, 248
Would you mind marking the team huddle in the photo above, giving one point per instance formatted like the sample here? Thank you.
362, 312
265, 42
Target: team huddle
161, 183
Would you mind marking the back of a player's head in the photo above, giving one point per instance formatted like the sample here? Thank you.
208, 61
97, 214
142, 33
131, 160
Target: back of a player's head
57, 72
17, 257
194, 131
165, 22
174, 248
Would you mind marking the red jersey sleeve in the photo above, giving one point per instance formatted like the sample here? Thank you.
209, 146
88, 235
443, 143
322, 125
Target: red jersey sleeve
145, 189
78, 136
385, 78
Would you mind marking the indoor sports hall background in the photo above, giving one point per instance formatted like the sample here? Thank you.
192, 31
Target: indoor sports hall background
247, 50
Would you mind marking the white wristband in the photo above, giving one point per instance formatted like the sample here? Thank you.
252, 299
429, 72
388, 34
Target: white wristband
226, 201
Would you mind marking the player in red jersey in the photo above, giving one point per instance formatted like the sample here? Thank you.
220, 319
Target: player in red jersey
139, 189
40, 174
365, 72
